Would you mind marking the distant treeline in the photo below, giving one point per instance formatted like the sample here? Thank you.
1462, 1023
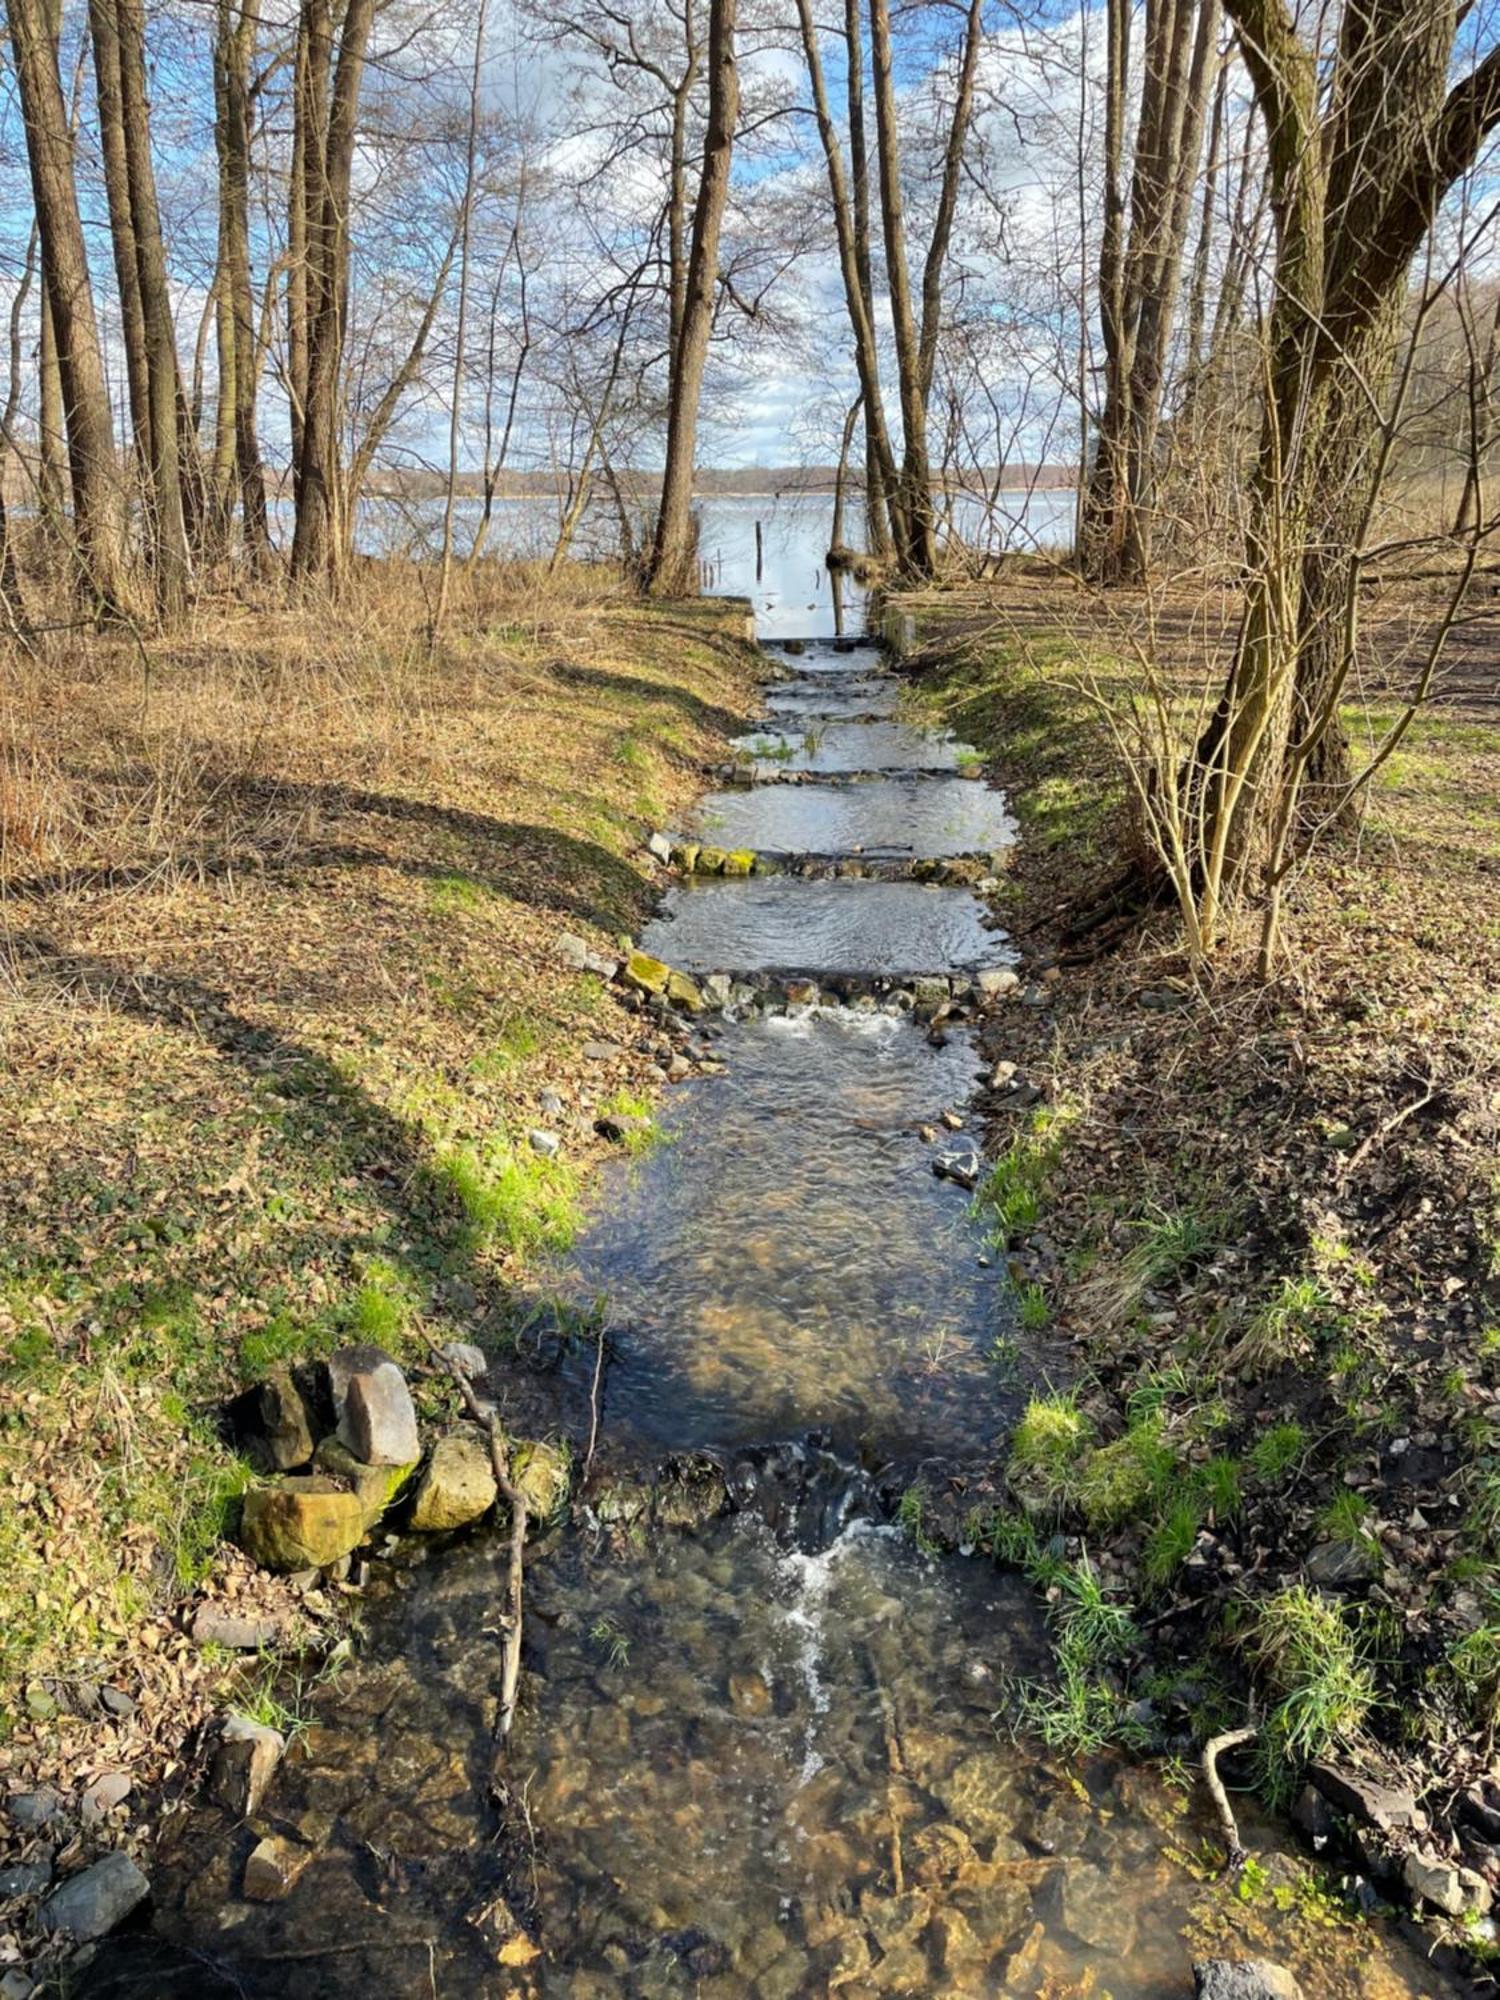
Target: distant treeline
768, 481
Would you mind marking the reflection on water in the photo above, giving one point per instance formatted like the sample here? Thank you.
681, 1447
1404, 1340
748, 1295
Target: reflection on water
776, 924
813, 696
740, 1772
852, 746
788, 1259
881, 817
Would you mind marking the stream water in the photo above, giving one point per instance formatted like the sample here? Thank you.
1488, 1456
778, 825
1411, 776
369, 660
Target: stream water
764, 1756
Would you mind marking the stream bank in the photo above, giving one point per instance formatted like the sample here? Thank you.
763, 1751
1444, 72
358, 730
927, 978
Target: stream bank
769, 1755
1263, 1226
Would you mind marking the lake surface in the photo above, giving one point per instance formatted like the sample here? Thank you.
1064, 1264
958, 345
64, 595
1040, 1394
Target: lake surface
791, 589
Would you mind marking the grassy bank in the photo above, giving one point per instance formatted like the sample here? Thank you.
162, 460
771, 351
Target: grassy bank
282, 994
1267, 1222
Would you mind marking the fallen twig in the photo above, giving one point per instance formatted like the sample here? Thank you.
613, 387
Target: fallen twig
1213, 1750
1386, 1126
510, 1672
588, 1457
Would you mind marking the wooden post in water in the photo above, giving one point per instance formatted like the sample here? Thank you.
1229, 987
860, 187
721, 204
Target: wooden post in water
760, 553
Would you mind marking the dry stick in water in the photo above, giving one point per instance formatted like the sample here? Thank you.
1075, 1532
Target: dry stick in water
510, 1673
594, 1397
1213, 1750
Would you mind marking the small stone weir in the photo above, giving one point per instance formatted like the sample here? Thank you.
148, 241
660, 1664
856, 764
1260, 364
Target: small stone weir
760, 1749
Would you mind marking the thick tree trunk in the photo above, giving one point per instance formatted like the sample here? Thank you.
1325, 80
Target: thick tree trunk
170, 471
1353, 194
879, 469
672, 551
233, 56
98, 497
917, 546
52, 442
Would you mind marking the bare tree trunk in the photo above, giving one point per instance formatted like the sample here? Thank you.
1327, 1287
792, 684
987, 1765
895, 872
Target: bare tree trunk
98, 499
879, 466
169, 472
1139, 277
12, 601
852, 226
918, 545
104, 35
840, 478
1354, 194
494, 459
233, 54
677, 208
455, 420
328, 119
52, 443
671, 555
1161, 276
1481, 427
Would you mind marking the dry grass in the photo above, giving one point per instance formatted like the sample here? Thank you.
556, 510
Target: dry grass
279, 908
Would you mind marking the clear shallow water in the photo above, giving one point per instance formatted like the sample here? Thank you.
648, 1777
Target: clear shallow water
851, 746
776, 923
788, 1259
880, 817
815, 696
740, 1771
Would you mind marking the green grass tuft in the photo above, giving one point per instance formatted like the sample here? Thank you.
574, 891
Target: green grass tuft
1311, 1666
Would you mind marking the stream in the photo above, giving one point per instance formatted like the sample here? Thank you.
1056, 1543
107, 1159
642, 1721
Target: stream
765, 1755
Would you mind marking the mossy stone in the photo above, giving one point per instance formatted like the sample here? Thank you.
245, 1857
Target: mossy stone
300, 1523
685, 992
374, 1486
457, 1485
540, 1474
740, 862
649, 974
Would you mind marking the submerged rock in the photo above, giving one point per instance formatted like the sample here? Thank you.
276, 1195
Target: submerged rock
1243, 1979
457, 1484
301, 1523
90, 1904
1095, 1912
540, 1473
247, 1759
273, 1866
